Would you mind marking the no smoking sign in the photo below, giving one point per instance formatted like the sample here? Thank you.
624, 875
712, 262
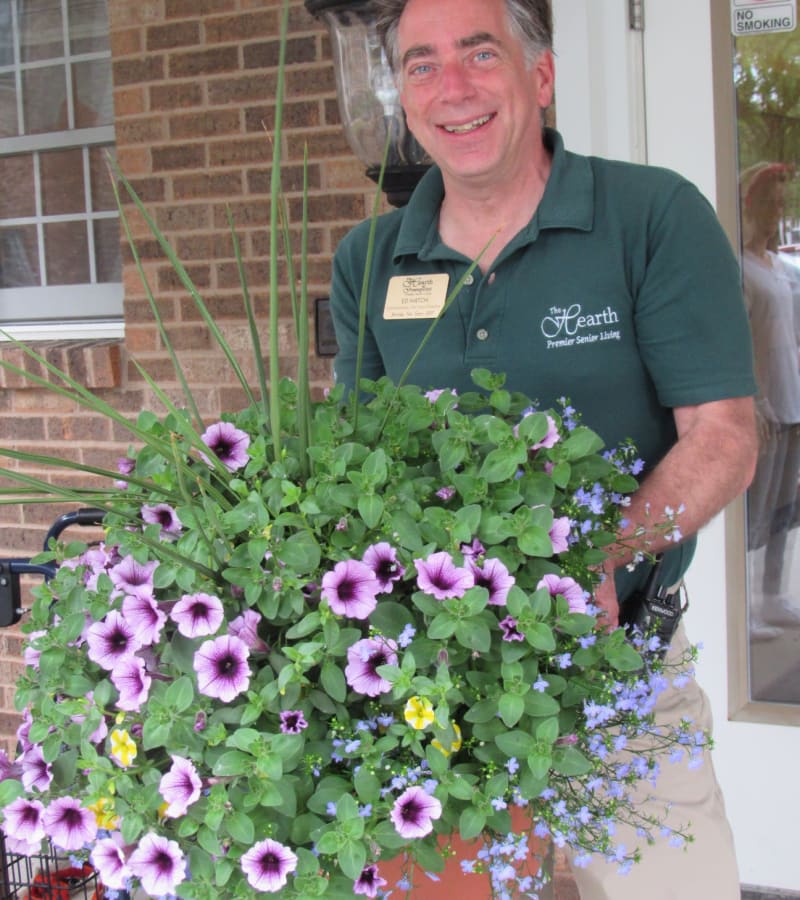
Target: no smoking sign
762, 16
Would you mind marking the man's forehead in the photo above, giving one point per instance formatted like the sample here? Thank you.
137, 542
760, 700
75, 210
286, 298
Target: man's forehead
465, 41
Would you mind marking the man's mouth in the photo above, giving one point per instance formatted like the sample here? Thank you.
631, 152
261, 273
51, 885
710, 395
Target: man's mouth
468, 126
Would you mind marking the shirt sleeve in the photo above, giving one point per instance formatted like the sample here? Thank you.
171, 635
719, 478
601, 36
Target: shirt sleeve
346, 288
691, 321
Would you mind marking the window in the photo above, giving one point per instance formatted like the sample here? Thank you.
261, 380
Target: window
59, 226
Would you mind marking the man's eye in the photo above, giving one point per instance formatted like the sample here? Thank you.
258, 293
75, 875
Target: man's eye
483, 55
420, 69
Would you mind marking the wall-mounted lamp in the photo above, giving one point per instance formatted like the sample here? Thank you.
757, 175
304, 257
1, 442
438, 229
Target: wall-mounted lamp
369, 103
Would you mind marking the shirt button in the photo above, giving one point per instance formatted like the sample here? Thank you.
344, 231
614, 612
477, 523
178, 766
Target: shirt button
481, 334
469, 279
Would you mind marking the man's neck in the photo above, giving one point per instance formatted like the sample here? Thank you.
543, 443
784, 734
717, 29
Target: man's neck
479, 220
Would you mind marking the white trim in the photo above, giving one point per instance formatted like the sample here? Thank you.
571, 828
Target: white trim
64, 331
54, 140
31, 305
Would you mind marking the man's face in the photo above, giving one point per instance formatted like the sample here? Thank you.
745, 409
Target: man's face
469, 96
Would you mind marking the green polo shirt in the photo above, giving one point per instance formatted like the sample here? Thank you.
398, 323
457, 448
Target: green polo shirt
622, 293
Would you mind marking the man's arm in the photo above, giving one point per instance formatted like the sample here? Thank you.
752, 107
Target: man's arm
712, 462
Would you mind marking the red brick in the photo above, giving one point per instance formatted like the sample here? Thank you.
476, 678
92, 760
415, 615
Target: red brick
182, 156
321, 143
205, 246
241, 152
140, 131
175, 95
242, 27
265, 55
168, 279
207, 184
185, 217
130, 101
175, 34
126, 42
310, 81
205, 124
176, 9
203, 62
241, 89
305, 114
86, 429
136, 71
258, 180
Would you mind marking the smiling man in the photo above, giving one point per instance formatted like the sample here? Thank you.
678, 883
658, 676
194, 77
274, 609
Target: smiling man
597, 281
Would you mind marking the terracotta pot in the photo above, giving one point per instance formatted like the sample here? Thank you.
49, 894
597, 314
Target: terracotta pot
453, 882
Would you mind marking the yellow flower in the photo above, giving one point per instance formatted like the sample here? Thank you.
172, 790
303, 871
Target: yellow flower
104, 814
123, 749
455, 744
419, 712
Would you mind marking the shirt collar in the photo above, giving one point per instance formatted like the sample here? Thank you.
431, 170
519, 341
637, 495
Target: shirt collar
568, 202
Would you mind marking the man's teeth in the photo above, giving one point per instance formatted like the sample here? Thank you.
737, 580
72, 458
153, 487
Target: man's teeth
468, 126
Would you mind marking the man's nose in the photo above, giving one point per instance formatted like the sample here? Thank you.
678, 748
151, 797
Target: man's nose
455, 84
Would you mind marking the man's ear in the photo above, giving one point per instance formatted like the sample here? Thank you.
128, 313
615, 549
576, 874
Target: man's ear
544, 68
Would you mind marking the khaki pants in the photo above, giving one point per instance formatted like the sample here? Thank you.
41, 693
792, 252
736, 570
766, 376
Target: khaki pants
705, 869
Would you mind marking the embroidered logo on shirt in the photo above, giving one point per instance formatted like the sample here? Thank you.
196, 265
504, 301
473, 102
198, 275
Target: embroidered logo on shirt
570, 326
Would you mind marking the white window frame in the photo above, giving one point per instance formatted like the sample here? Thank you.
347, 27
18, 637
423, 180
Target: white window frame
94, 309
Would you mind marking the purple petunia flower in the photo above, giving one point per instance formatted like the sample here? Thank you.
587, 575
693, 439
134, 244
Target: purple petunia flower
130, 678
197, 615
144, 618
382, 559
159, 864
180, 787
293, 721
267, 865
572, 592
495, 577
108, 858
164, 515
473, 549
131, 577
245, 627
68, 825
111, 640
413, 813
222, 669
36, 773
559, 534
369, 882
23, 820
125, 466
350, 589
441, 578
550, 439
228, 443
510, 630
8, 769
363, 659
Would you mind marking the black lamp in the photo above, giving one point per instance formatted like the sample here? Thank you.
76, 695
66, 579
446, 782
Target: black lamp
369, 103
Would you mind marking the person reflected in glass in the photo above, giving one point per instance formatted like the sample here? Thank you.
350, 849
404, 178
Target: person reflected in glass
772, 291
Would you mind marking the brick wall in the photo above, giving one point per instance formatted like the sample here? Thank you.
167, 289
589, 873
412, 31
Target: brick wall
194, 82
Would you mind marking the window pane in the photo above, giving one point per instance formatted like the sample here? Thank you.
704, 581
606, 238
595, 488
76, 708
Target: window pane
6, 36
94, 104
67, 253
41, 30
62, 182
106, 249
44, 100
19, 257
16, 176
8, 106
102, 190
88, 26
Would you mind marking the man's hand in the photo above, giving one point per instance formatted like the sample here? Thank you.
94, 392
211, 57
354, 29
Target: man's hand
605, 596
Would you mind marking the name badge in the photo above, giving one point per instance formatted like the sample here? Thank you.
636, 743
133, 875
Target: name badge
416, 296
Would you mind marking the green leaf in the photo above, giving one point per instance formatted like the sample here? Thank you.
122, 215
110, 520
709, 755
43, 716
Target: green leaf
570, 761
535, 541
240, 827
233, 762
474, 634
333, 681
500, 465
471, 823
442, 627
329, 843
516, 743
374, 467
539, 763
540, 636
352, 858
370, 508
180, 694
511, 708
623, 657
299, 552
10, 789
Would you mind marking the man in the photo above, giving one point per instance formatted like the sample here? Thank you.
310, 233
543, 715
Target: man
607, 283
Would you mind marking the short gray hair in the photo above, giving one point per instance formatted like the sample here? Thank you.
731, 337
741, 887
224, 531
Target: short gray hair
530, 21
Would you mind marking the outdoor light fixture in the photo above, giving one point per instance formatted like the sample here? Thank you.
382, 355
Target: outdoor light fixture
369, 103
